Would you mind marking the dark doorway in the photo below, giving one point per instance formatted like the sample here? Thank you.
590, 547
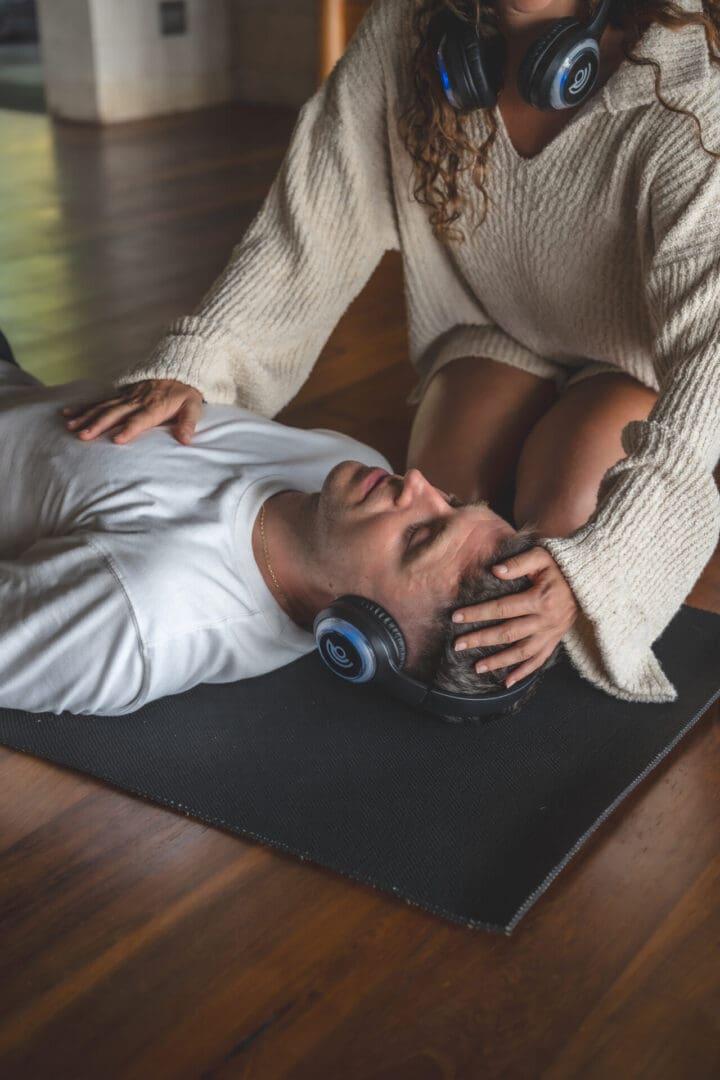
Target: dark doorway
21, 73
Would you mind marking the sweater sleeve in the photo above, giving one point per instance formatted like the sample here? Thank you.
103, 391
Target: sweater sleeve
324, 225
657, 517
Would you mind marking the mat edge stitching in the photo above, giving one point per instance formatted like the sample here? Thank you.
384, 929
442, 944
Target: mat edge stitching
548, 880
469, 924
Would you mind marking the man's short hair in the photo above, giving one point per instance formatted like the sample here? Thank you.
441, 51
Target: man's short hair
440, 665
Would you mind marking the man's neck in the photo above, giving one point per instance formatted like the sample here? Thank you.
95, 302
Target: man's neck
281, 543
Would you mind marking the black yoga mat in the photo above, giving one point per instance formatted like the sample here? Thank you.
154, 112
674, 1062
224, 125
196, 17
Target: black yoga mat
470, 821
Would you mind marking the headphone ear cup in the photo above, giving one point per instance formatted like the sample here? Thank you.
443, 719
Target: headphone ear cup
474, 66
386, 625
551, 47
359, 640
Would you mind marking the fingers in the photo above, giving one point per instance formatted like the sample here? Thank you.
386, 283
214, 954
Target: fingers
140, 420
186, 420
137, 408
505, 607
75, 415
502, 634
532, 664
524, 670
527, 668
529, 562
100, 419
530, 654
529, 647
524, 650
548, 592
184, 410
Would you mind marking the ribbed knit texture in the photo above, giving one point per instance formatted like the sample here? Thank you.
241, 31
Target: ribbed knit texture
602, 249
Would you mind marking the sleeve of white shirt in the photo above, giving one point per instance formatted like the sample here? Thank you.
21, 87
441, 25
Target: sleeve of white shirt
68, 639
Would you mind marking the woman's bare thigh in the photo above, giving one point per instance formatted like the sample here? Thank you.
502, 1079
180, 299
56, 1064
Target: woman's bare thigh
470, 426
572, 446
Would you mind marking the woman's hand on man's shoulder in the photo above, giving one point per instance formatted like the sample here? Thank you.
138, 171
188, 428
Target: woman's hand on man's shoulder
137, 407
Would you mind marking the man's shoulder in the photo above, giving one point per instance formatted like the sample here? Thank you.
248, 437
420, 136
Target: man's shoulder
177, 578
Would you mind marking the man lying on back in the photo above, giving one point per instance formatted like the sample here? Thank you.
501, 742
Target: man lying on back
132, 572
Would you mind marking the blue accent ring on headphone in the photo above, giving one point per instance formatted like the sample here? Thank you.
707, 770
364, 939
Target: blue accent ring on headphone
447, 85
346, 650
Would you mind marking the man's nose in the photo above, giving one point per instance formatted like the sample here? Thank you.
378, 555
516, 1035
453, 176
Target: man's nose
417, 490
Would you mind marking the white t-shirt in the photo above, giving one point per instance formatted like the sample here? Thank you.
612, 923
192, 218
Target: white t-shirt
127, 572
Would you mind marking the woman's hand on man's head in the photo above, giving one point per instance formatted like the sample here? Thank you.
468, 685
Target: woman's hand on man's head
138, 407
534, 620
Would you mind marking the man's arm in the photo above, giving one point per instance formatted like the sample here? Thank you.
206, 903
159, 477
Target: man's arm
68, 640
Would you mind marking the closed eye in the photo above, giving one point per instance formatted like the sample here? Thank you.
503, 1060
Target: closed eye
421, 536
427, 532
411, 532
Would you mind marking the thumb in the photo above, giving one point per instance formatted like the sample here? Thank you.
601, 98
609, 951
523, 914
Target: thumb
528, 563
186, 419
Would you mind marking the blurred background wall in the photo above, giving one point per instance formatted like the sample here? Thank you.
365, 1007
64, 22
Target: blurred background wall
112, 60
105, 61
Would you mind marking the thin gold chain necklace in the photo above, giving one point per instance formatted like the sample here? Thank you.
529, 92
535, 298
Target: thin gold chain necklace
276, 583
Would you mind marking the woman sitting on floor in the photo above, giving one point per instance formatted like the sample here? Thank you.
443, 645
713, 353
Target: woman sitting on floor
576, 321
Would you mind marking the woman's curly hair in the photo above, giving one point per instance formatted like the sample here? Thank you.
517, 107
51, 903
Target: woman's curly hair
436, 135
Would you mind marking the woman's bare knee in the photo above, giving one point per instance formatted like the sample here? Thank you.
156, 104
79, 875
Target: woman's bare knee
471, 424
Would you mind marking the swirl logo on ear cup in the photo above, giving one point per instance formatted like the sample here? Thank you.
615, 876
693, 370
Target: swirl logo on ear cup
344, 649
340, 656
574, 81
580, 79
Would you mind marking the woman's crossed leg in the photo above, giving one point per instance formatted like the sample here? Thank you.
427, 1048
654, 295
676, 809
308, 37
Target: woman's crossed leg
482, 422
572, 446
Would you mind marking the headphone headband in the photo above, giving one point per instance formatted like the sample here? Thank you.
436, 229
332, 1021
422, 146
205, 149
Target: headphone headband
361, 643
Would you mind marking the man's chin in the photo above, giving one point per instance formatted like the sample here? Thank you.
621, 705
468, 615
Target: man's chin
339, 480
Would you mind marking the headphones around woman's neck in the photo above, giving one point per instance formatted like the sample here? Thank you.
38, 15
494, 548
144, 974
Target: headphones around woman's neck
558, 71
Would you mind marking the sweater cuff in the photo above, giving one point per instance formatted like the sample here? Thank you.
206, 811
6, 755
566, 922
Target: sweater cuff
633, 563
481, 341
201, 360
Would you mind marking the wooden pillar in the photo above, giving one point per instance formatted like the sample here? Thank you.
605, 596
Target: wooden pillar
333, 35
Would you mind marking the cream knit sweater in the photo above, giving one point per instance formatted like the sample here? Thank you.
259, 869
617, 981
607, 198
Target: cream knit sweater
602, 249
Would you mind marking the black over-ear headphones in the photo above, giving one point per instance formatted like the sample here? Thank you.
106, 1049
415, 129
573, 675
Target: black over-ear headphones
558, 71
361, 642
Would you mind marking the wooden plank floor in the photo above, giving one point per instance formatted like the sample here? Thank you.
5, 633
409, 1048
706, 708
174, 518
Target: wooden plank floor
137, 943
